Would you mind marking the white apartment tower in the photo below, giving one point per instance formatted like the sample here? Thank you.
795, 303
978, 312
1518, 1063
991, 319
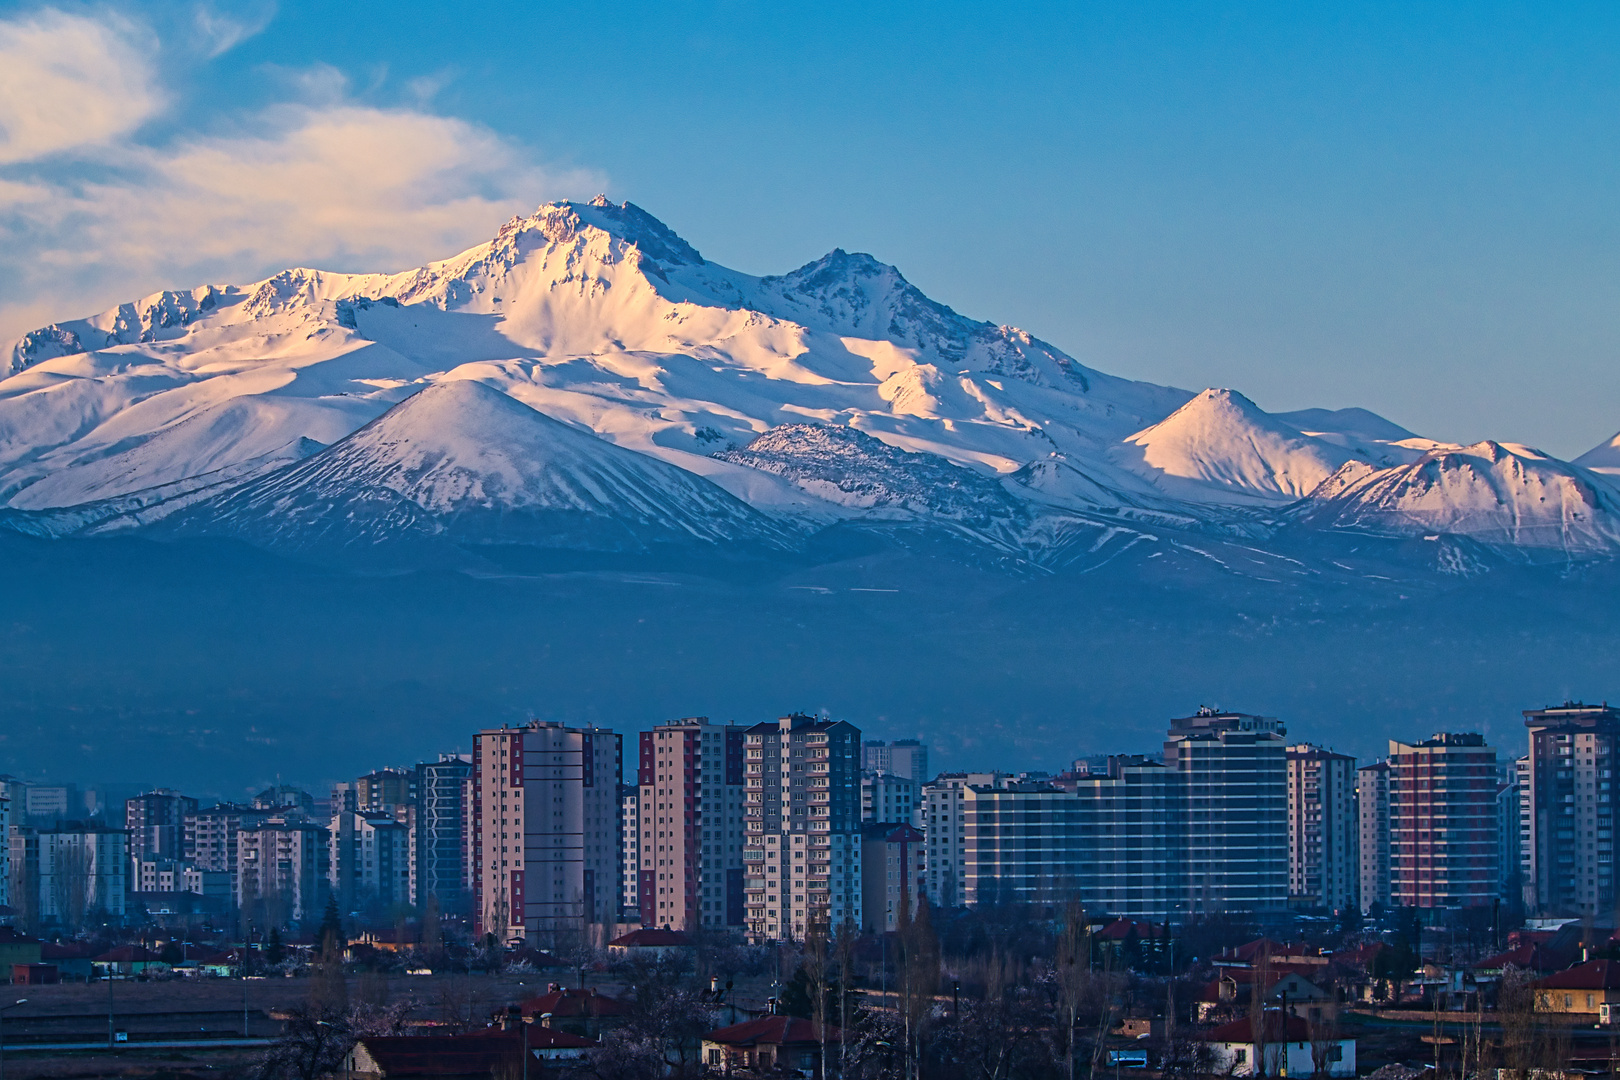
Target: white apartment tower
943, 821
1323, 869
691, 825
545, 830
803, 813
630, 861
371, 861
1573, 752
1372, 815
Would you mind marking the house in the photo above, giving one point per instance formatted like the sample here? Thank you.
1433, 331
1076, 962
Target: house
651, 943
583, 1012
128, 960
1285, 1047
17, 948
1583, 992
72, 960
771, 1042
476, 1056
35, 975
1228, 996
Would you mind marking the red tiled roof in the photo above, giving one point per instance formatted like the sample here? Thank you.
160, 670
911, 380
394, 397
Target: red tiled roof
1121, 929
1242, 1031
442, 1055
574, 1003
1592, 975
650, 936
1530, 956
772, 1031
1253, 950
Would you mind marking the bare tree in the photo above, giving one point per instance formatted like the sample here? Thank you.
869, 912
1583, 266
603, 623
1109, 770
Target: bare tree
918, 976
1324, 1043
1073, 972
844, 950
816, 964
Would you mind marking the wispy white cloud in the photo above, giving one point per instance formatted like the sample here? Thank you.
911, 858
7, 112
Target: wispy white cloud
220, 30
320, 180
67, 82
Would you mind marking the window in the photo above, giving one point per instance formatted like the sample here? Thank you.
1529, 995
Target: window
1239, 1056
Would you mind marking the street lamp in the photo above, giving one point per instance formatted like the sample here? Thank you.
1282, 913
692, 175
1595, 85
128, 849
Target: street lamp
3, 1009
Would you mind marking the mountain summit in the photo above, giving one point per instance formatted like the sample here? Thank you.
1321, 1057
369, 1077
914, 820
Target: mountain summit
587, 379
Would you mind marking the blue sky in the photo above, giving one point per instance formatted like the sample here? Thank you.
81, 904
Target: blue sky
1411, 208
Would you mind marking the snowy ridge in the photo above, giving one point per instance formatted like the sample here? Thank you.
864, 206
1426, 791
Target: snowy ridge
468, 463
841, 390
1494, 493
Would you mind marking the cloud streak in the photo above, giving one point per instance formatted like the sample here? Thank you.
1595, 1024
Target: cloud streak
90, 215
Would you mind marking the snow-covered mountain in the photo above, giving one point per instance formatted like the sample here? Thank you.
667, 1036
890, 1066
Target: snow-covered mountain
588, 379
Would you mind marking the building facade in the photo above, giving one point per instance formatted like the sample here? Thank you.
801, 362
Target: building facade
803, 815
894, 864
630, 862
1323, 866
68, 873
156, 822
1372, 815
906, 758
1235, 772
943, 821
282, 870
1021, 840
441, 832
1573, 751
888, 797
690, 802
1132, 836
371, 862
545, 831
1443, 822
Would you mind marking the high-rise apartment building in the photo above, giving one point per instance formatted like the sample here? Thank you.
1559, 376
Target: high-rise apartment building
5, 846
384, 791
69, 871
1443, 822
441, 831
371, 862
887, 797
1236, 776
893, 863
1323, 868
209, 841
907, 758
630, 860
803, 814
943, 821
545, 830
282, 870
1573, 755
156, 821
1526, 834
691, 825
1372, 815
1131, 834
1022, 844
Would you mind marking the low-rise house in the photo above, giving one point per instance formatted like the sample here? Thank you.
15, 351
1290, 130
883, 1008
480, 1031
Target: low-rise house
582, 1012
1230, 995
128, 960
1283, 1045
651, 943
772, 1042
1586, 991
72, 959
17, 948
35, 975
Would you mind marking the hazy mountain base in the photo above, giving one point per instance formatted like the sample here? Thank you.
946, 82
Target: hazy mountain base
211, 665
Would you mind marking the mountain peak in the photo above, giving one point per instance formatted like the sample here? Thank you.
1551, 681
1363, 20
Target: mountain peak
1221, 440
